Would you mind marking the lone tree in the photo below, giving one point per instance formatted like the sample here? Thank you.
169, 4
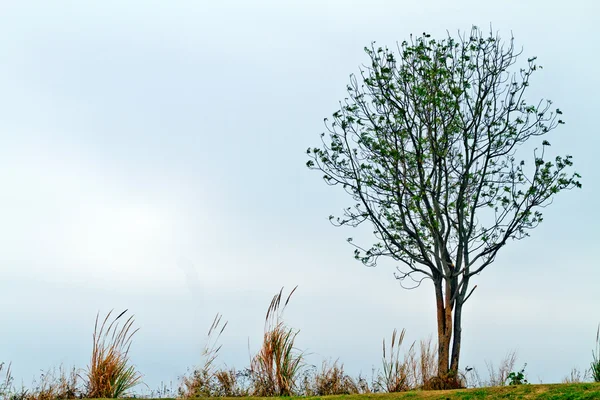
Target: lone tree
426, 145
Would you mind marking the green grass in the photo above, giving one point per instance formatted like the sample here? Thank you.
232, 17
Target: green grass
574, 391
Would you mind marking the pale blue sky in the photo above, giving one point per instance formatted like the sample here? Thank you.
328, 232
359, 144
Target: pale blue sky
152, 158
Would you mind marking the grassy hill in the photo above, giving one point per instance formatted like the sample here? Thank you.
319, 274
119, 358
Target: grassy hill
577, 391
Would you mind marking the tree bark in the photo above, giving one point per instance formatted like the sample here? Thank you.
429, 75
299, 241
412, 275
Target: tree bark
444, 319
457, 336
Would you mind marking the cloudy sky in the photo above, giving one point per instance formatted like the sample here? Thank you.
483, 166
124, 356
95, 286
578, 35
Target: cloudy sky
152, 157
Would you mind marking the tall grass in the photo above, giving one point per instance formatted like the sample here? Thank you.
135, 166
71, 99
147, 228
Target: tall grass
422, 368
110, 374
595, 365
394, 377
275, 368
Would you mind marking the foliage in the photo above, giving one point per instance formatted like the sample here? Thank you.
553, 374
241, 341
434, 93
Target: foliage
110, 374
517, 378
277, 365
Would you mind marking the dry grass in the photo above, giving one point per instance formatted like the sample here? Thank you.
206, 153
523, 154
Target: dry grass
575, 376
496, 376
208, 381
110, 375
499, 376
332, 380
51, 385
275, 369
412, 371
422, 368
394, 377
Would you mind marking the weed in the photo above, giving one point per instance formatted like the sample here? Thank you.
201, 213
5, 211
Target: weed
110, 375
517, 378
276, 367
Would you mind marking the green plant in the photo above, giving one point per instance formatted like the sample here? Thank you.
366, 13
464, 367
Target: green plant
109, 374
595, 365
518, 378
275, 368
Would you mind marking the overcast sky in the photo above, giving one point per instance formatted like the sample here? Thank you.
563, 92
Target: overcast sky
152, 157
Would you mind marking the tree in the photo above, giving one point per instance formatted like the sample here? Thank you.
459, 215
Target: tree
426, 147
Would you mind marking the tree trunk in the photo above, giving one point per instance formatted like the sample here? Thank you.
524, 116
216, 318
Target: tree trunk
457, 336
444, 320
